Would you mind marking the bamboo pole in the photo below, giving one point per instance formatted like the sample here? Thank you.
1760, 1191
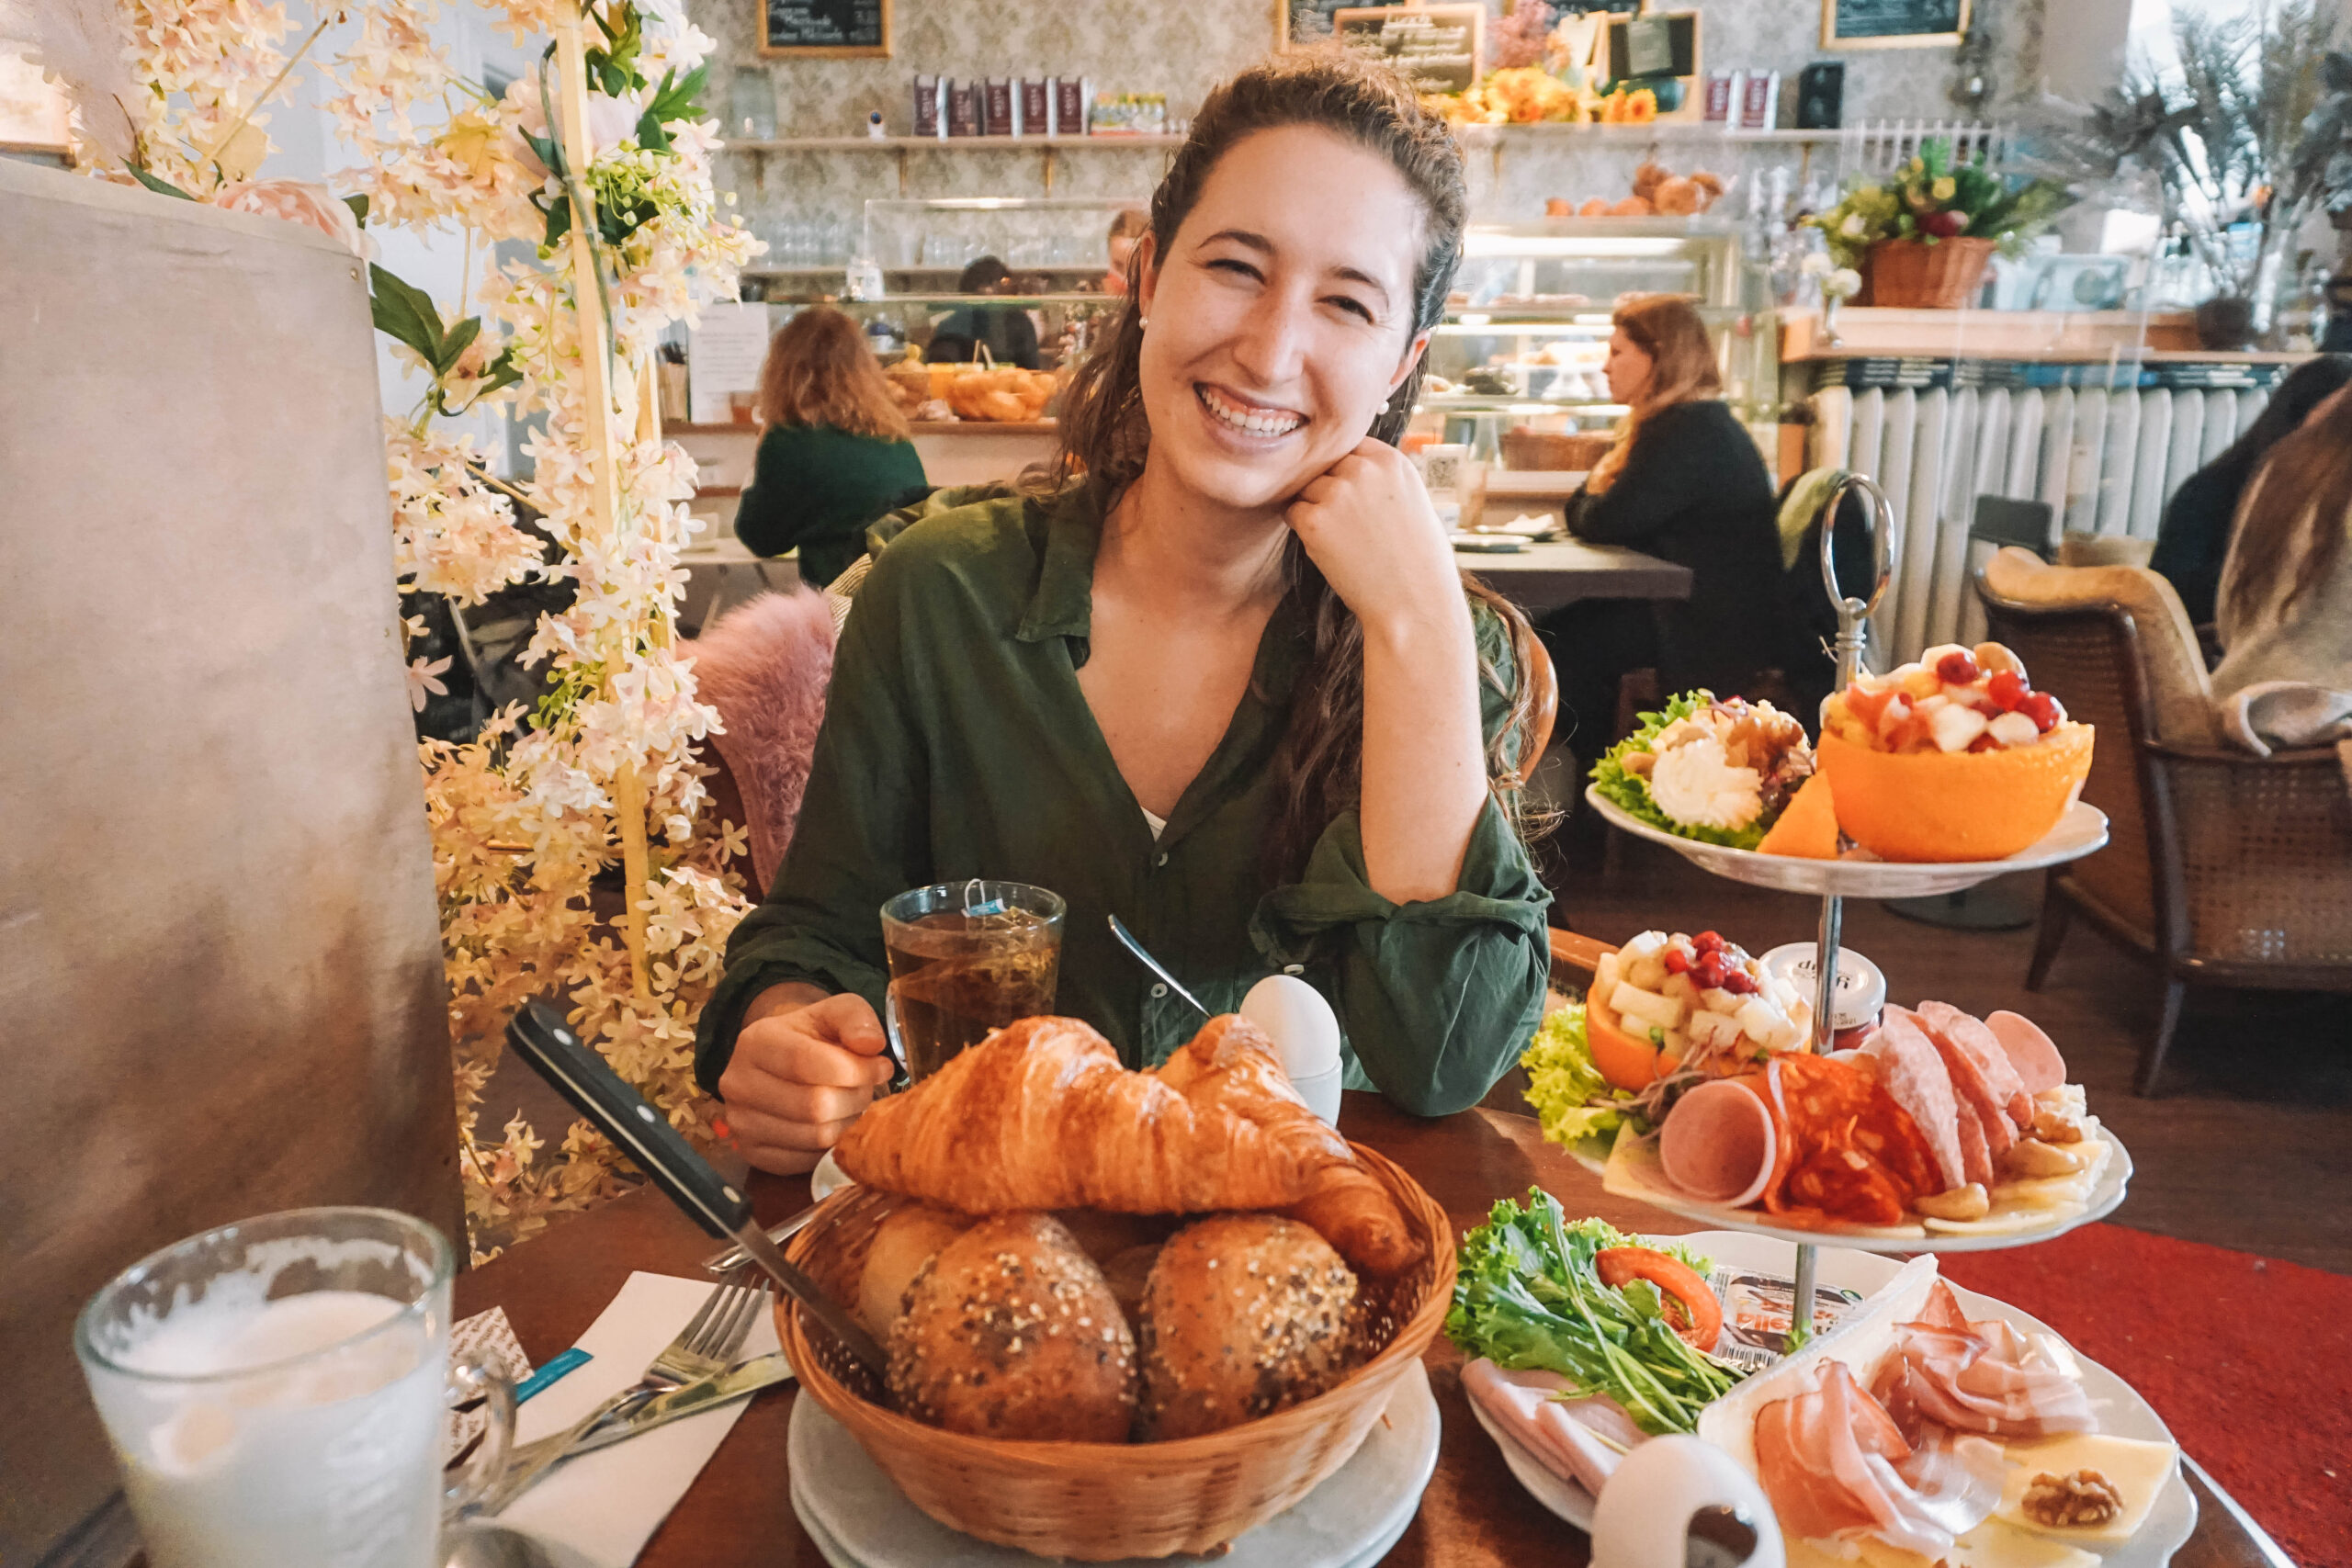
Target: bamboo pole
595, 358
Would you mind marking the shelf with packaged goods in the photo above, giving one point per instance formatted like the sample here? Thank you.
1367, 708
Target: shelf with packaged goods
1048, 149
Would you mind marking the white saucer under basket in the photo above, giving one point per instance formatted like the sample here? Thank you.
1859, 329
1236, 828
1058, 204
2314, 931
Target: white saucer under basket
858, 1519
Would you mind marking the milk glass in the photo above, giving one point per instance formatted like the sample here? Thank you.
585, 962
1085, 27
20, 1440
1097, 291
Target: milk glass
277, 1391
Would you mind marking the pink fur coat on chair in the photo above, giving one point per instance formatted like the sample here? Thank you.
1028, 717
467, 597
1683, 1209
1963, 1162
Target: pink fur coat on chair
763, 665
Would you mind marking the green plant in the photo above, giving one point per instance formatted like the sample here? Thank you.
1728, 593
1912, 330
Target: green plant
2248, 128
1936, 197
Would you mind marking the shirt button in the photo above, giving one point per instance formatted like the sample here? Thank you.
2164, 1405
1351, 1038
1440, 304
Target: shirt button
1162, 860
1159, 991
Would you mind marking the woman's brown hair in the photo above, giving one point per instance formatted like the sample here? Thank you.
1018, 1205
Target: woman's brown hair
2290, 531
1668, 328
1318, 768
819, 371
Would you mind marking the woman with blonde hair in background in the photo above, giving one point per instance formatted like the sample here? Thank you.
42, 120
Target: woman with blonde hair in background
1685, 481
834, 453
2284, 609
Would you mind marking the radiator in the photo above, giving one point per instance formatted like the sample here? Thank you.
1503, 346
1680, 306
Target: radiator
2105, 461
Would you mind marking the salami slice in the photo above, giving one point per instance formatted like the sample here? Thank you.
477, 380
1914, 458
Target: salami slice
1975, 1154
1983, 1047
1967, 1078
1912, 1072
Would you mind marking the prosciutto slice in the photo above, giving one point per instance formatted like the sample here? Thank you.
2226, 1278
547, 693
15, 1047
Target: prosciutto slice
1835, 1466
1976, 1377
1577, 1438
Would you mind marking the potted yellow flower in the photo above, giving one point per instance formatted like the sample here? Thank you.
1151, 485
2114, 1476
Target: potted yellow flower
1923, 238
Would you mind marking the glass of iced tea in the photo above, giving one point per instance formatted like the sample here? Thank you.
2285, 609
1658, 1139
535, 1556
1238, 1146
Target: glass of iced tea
967, 957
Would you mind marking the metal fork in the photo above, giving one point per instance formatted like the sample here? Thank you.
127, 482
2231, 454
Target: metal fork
705, 1348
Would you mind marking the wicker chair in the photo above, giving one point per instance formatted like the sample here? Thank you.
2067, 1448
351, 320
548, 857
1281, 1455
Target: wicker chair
2224, 868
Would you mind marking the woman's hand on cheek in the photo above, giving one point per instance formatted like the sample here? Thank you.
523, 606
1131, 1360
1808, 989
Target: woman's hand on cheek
1368, 525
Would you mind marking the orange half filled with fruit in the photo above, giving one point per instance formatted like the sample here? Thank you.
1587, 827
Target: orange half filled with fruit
1954, 757
1664, 1003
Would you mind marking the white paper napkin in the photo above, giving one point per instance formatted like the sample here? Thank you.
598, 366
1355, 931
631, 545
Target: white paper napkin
599, 1510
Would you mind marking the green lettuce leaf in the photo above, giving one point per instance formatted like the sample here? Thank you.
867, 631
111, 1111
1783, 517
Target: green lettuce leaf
1629, 792
1527, 1295
1573, 1103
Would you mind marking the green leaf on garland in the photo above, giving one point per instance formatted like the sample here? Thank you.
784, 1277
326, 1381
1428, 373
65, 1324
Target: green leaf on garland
454, 345
406, 315
358, 205
163, 188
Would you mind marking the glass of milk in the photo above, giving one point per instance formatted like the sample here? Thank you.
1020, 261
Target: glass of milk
277, 1391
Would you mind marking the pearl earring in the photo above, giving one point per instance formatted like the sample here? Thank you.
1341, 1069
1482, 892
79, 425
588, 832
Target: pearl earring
1142, 323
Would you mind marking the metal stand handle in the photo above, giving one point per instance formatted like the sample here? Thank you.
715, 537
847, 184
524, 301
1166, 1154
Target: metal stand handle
1853, 616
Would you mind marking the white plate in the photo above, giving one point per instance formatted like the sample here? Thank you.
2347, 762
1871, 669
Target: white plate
1638, 1176
2080, 832
2122, 1412
827, 1178
859, 1518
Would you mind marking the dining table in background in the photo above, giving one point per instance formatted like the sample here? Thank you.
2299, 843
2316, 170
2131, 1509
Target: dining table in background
1548, 573
739, 1511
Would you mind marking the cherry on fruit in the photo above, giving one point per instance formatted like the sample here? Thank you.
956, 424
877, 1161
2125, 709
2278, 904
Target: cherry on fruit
2008, 688
1677, 962
1709, 971
1707, 941
2041, 707
1739, 982
1984, 743
1957, 668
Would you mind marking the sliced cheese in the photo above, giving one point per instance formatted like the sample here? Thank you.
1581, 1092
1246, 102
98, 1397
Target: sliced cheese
1993, 1544
2136, 1468
1990, 1544
2008, 1223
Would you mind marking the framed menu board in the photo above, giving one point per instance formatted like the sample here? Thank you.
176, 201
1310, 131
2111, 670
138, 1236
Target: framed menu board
1306, 21
1891, 23
824, 29
1435, 48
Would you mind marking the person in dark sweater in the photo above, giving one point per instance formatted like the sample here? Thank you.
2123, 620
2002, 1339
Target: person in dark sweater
833, 449
2193, 540
1005, 330
1686, 482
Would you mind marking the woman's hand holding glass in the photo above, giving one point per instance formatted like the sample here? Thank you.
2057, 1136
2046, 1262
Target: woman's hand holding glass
806, 1066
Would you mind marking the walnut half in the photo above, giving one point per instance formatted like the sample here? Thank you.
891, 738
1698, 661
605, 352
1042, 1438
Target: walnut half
2083, 1500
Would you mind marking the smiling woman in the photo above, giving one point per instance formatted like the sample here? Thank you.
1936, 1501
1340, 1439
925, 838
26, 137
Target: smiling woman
1216, 675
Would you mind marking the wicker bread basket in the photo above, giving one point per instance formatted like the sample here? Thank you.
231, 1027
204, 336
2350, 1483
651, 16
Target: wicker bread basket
1098, 1502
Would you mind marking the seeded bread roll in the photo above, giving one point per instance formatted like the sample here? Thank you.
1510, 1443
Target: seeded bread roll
1009, 1332
1244, 1315
908, 1237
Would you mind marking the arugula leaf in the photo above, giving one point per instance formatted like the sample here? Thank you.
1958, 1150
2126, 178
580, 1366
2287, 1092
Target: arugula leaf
1630, 793
1528, 1295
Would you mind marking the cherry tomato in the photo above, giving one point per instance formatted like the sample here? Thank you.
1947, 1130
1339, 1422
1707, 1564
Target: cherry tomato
2008, 688
2043, 708
1702, 1315
1957, 668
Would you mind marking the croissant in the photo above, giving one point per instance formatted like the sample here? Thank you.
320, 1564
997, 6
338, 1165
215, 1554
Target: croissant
1040, 1115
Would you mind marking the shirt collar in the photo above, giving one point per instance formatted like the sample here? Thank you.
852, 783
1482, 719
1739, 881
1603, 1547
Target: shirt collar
1063, 601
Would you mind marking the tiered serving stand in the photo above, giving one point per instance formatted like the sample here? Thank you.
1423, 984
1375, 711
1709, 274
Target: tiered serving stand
2083, 829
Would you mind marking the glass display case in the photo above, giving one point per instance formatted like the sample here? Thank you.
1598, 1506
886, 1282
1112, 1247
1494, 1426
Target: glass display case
1526, 331
1050, 245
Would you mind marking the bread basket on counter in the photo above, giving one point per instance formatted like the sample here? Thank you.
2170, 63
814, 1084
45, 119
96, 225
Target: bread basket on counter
1099, 1502
1553, 451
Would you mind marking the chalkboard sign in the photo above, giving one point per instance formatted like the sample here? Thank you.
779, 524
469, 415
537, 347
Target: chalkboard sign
1891, 23
820, 28
1435, 48
1308, 21
1591, 8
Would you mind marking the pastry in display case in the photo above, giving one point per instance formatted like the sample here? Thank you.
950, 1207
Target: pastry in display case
1516, 368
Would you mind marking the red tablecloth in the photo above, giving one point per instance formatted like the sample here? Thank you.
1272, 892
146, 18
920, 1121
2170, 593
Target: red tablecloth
2248, 1360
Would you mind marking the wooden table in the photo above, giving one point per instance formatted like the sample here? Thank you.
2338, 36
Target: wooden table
1553, 572
738, 1511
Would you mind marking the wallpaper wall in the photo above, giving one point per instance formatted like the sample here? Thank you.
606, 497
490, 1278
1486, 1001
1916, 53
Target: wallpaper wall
811, 201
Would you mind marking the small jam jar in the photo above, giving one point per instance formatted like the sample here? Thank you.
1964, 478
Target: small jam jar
1860, 996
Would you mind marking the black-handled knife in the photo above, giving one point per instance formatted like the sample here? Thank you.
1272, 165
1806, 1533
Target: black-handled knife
581, 1077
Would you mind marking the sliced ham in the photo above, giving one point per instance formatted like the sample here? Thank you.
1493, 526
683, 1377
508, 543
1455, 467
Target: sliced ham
1976, 1377
1912, 1071
1975, 1151
1835, 1466
2032, 1053
1718, 1142
1577, 1439
1969, 1082
1983, 1047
